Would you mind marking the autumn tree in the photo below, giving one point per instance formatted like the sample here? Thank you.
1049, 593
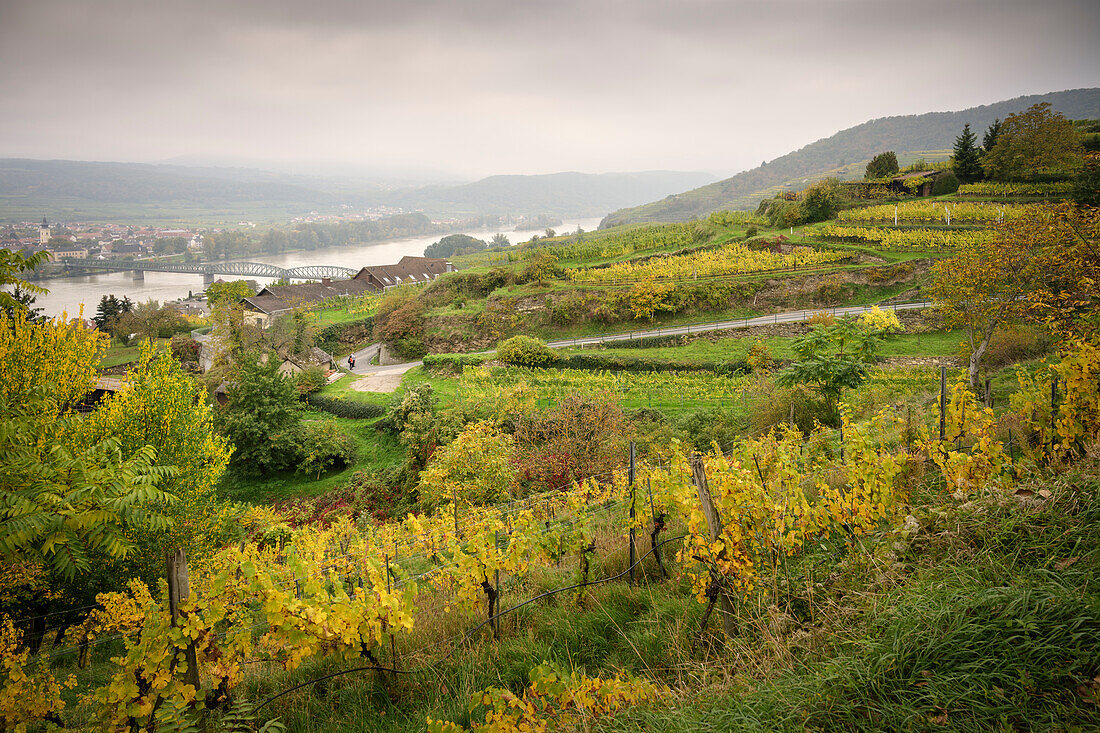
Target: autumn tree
967, 162
162, 407
1064, 240
399, 322
1037, 140
820, 201
475, 468
227, 293
65, 500
980, 288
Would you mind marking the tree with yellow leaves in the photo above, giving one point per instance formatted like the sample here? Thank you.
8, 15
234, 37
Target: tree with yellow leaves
981, 287
162, 407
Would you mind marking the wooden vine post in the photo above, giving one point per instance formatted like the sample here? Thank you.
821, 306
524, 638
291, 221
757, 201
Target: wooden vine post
714, 524
943, 402
633, 539
179, 590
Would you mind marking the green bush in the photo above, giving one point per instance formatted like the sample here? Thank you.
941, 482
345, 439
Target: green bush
709, 425
944, 184
453, 363
345, 408
618, 363
311, 380
323, 446
525, 351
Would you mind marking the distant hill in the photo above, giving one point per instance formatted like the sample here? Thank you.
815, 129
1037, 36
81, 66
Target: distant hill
135, 192
564, 194
845, 154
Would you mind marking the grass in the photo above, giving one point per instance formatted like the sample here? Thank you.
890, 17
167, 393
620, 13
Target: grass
119, 354
338, 314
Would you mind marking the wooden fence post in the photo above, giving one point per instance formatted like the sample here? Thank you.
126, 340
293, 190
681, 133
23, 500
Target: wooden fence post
630, 478
393, 642
714, 524
179, 590
943, 402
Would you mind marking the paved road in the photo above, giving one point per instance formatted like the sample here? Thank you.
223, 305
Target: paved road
363, 365
790, 317
364, 355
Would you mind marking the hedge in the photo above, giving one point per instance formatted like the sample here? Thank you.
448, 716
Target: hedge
345, 408
616, 363
453, 363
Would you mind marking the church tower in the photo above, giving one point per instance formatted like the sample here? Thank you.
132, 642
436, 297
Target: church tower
44, 232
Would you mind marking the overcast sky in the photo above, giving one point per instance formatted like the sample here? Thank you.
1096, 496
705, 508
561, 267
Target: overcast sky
476, 87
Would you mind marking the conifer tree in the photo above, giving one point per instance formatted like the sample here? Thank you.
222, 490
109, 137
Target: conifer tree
991, 133
967, 165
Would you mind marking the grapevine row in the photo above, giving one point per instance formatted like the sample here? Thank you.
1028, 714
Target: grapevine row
962, 212
730, 259
909, 239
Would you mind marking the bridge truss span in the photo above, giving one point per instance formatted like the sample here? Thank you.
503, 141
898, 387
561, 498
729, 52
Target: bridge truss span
239, 269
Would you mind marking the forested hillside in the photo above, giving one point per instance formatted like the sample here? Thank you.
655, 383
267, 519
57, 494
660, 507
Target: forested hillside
564, 194
80, 190
926, 132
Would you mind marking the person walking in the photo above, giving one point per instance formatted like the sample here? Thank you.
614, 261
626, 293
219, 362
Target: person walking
351, 361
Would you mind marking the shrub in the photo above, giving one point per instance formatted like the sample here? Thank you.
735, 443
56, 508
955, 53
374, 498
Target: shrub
475, 468
709, 425
349, 333
759, 357
776, 405
945, 183
323, 446
525, 351
453, 363
311, 380
751, 232
882, 321
617, 363
185, 349
400, 322
345, 408
833, 290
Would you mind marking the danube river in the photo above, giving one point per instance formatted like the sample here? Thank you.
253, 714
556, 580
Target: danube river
68, 293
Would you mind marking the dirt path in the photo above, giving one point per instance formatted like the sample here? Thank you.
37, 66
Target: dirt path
382, 379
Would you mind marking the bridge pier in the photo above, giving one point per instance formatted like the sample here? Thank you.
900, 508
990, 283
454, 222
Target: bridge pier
139, 276
207, 279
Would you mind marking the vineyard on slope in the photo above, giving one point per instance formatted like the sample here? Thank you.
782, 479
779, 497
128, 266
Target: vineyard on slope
730, 259
909, 239
343, 592
926, 212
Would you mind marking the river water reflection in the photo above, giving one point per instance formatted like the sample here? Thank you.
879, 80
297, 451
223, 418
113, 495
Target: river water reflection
67, 294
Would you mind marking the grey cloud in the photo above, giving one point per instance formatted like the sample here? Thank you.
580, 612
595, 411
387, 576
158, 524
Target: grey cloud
511, 85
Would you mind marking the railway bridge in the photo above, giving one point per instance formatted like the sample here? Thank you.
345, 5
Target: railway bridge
208, 270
